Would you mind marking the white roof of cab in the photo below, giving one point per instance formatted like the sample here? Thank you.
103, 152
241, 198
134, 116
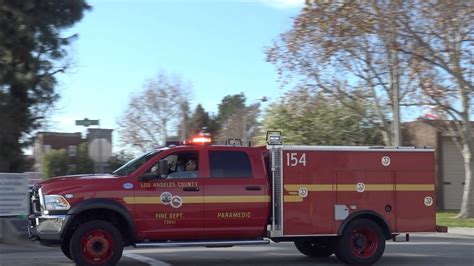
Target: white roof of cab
351, 148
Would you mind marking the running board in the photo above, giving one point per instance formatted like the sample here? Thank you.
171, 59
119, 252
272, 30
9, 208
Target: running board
210, 244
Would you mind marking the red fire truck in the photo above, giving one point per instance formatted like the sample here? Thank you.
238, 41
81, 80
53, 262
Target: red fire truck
328, 200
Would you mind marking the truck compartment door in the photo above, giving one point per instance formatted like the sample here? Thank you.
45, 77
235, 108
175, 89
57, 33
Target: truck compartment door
308, 196
236, 195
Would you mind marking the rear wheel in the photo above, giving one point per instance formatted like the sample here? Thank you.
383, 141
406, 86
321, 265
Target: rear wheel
316, 247
96, 243
362, 242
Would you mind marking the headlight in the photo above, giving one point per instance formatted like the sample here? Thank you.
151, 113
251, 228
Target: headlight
56, 203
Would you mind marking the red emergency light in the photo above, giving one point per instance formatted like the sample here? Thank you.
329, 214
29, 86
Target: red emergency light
201, 139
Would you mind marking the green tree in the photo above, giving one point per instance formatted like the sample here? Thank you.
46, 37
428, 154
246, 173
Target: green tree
59, 162
118, 159
237, 120
307, 118
31, 49
230, 105
55, 163
184, 127
84, 163
201, 119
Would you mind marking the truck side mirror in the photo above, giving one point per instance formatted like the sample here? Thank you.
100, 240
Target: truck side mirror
148, 176
163, 168
162, 172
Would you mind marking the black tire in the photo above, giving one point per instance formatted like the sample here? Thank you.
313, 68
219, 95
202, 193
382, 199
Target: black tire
316, 248
96, 243
65, 248
361, 243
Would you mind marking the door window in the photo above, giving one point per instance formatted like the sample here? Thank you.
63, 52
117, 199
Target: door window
230, 164
180, 165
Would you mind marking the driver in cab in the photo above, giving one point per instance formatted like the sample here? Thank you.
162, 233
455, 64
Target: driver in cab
190, 170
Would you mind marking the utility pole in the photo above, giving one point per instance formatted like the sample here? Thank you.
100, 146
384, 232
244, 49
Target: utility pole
185, 120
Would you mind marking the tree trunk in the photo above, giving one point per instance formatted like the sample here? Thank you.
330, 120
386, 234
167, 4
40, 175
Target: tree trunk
386, 137
467, 205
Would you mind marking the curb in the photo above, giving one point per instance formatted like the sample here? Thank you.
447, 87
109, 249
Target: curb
461, 231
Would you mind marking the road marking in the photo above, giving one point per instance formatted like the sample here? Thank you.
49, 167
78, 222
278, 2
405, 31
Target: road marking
148, 260
430, 243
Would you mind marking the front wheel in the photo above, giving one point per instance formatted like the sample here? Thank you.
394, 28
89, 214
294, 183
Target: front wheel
316, 248
362, 242
96, 243
65, 248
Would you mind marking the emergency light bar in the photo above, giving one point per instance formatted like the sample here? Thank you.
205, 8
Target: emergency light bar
274, 137
202, 138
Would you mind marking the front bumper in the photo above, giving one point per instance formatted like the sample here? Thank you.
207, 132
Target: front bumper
46, 228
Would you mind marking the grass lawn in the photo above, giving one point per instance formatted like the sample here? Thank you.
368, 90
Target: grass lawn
446, 218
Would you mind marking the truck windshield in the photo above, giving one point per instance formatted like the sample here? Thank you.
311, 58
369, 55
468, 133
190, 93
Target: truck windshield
134, 164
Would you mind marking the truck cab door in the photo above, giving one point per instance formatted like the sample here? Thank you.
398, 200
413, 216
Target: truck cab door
236, 195
170, 206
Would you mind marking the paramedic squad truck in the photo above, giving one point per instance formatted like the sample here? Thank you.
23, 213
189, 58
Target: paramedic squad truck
328, 200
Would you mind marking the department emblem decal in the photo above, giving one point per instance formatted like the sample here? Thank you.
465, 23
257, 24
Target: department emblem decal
176, 202
360, 187
128, 185
165, 198
428, 201
303, 192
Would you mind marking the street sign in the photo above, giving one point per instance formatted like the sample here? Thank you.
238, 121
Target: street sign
87, 122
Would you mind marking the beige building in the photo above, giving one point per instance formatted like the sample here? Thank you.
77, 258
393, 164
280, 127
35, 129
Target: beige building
45, 141
99, 144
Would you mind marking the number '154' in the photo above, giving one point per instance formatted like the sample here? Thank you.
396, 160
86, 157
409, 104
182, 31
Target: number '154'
294, 159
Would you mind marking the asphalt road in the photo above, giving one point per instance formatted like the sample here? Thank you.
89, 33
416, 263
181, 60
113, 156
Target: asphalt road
423, 249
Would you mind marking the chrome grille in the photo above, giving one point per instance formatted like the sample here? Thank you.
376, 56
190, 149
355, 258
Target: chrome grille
35, 206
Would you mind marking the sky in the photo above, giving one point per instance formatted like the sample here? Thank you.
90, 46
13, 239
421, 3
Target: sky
218, 47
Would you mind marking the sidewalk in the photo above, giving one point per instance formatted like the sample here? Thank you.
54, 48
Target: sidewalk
461, 231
